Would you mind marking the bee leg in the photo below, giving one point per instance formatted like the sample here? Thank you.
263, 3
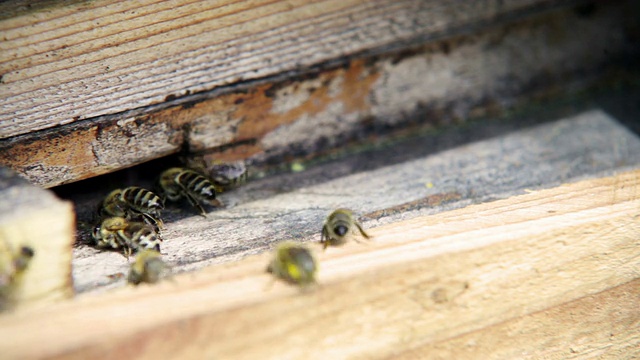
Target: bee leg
324, 238
366, 236
196, 204
126, 252
153, 221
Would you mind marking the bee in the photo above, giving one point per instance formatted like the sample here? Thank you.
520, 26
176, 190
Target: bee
337, 227
293, 263
133, 203
13, 264
22, 259
148, 267
119, 233
224, 175
180, 182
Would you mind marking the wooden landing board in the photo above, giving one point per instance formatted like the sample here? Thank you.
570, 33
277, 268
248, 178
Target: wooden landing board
429, 284
465, 63
294, 205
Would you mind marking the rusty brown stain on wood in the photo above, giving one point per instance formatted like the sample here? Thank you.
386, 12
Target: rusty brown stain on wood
80, 154
68, 156
358, 84
61, 150
258, 114
432, 200
257, 111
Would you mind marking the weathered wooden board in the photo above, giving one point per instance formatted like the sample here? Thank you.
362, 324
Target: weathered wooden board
79, 60
294, 205
451, 79
36, 218
427, 282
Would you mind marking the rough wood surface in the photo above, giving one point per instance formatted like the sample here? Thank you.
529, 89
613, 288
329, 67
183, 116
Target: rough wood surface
294, 205
601, 326
430, 281
448, 80
33, 217
79, 60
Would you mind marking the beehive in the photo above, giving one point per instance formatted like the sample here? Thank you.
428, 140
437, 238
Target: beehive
490, 238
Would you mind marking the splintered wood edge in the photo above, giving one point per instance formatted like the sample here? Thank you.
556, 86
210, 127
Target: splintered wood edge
429, 282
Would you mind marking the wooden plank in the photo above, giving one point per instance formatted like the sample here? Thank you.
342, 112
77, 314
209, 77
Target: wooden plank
379, 186
35, 218
420, 281
602, 326
144, 52
442, 82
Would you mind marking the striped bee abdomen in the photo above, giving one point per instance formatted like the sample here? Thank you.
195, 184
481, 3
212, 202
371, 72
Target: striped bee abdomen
142, 200
180, 182
197, 185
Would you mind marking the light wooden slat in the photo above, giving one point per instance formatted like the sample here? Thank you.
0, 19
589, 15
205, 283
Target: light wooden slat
107, 57
598, 326
36, 218
423, 281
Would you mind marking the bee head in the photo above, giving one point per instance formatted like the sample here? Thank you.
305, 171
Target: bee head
208, 194
26, 252
340, 230
25, 255
96, 232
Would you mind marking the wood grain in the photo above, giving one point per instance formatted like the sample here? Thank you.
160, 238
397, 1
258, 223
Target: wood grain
423, 281
390, 184
602, 326
80, 60
446, 81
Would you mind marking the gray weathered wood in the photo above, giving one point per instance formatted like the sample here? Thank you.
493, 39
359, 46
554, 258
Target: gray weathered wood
285, 207
449, 80
75, 61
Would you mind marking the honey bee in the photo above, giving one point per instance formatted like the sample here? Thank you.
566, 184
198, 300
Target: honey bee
133, 203
337, 227
22, 259
148, 267
119, 233
293, 263
180, 182
13, 264
224, 175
